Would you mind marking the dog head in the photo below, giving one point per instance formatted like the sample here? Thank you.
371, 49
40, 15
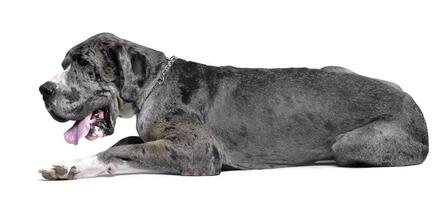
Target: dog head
102, 78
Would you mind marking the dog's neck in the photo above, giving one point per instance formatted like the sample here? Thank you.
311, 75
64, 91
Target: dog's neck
146, 70
158, 80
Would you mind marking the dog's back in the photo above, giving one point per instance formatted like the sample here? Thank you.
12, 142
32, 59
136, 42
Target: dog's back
286, 116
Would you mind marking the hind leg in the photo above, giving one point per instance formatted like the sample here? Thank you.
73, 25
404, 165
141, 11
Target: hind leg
381, 143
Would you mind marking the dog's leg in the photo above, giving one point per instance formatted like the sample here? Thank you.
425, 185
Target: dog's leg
185, 154
381, 143
91, 166
176, 154
129, 140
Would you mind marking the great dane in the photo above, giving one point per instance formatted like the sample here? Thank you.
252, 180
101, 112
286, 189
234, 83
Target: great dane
195, 119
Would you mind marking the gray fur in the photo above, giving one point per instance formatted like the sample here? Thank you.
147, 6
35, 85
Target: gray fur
205, 118
337, 69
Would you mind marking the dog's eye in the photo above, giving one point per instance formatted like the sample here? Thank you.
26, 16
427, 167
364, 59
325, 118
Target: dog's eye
81, 61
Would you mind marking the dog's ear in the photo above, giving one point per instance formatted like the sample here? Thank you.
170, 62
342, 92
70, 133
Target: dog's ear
141, 63
116, 69
140, 67
111, 66
129, 67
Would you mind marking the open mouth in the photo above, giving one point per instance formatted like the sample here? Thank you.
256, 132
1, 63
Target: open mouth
96, 124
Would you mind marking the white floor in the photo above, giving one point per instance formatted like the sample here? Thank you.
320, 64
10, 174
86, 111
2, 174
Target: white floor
309, 182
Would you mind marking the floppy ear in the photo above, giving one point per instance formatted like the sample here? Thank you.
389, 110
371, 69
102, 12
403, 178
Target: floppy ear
111, 65
130, 68
116, 68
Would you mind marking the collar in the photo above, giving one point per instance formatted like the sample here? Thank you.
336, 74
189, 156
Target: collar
161, 76
164, 72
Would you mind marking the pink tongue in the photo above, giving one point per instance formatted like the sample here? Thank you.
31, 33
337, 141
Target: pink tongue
78, 130
81, 128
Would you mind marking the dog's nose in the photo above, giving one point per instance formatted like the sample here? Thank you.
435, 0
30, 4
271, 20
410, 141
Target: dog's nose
47, 89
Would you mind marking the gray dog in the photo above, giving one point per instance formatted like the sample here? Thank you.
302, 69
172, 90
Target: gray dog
195, 119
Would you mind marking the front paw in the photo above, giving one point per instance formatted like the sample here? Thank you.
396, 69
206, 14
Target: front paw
59, 172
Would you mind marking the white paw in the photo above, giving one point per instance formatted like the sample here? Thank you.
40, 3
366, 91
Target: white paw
80, 168
86, 168
59, 172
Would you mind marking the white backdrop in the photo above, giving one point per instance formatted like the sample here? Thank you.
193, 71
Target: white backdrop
392, 40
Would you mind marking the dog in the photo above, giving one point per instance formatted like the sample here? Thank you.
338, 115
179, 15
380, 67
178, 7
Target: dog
195, 120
